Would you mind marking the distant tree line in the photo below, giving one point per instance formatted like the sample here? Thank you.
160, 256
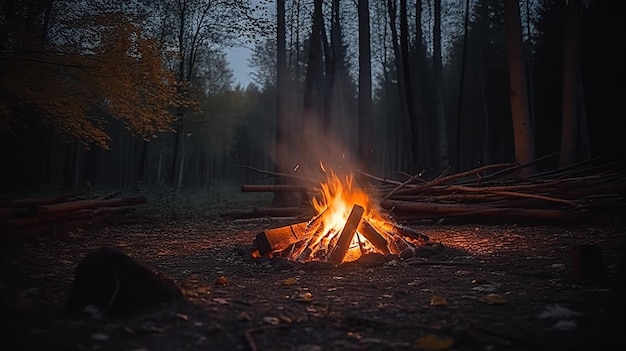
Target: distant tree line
127, 94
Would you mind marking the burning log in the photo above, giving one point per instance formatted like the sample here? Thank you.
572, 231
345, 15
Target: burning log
343, 243
280, 238
366, 229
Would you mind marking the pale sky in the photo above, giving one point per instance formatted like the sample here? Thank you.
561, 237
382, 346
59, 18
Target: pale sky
238, 61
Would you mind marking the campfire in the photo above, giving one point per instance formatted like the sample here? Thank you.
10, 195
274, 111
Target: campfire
348, 225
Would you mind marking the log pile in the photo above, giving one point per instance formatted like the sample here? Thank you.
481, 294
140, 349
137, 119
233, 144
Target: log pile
60, 215
588, 190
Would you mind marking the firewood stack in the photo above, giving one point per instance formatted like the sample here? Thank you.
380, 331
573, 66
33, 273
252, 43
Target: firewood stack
588, 190
62, 215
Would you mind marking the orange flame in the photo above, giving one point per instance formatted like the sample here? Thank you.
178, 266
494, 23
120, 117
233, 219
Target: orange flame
337, 197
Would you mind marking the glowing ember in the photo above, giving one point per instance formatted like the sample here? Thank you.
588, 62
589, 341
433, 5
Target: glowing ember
338, 197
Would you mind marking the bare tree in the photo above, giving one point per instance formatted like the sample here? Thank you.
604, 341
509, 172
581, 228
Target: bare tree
366, 123
574, 127
281, 147
409, 141
442, 134
522, 129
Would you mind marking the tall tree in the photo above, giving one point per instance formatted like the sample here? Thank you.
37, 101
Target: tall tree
442, 134
409, 142
522, 129
408, 84
313, 84
195, 26
281, 147
574, 122
366, 122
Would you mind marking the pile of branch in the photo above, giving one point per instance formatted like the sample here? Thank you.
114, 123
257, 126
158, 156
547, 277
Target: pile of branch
583, 191
570, 194
59, 215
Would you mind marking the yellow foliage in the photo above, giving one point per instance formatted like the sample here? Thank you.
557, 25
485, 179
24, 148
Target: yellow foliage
74, 89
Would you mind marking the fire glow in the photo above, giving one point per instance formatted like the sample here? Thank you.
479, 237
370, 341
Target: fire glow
347, 226
338, 198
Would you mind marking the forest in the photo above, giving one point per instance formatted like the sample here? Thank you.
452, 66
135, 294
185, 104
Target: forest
134, 95
425, 175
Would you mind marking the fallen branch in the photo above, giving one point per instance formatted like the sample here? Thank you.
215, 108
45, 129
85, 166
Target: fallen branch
574, 193
27, 217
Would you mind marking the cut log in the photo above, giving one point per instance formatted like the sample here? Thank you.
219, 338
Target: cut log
83, 204
275, 239
410, 233
343, 243
379, 242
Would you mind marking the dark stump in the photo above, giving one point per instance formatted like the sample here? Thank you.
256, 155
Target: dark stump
117, 284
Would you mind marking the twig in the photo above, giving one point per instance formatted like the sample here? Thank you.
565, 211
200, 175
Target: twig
402, 185
513, 193
277, 174
442, 180
382, 180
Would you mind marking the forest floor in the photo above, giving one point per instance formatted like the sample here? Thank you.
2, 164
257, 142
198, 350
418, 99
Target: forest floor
486, 287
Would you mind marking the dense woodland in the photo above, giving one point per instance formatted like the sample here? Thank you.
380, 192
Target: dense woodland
130, 94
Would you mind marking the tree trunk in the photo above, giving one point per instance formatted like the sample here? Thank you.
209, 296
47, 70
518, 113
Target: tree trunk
282, 133
312, 83
572, 109
442, 134
522, 129
408, 85
407, 140
366, 119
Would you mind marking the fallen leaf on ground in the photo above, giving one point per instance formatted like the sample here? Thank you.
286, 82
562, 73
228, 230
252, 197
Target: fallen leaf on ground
289, 281
243, 316
493, 299
222, 280
438, 301
205, 290
191, 293
306, 297
432, 342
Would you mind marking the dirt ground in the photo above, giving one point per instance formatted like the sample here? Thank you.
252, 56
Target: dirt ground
482, 287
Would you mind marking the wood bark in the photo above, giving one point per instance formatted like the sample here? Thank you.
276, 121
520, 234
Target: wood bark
366, 119
442, 133
523, 134
408, 142
281, 147
408, 85
23, 218
573, 109
343, 243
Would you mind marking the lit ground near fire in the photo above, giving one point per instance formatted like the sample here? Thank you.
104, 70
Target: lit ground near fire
486, 287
